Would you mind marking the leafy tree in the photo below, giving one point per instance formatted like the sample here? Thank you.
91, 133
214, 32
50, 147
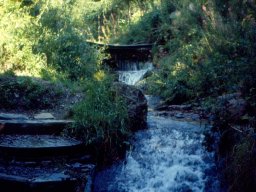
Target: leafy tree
41, 38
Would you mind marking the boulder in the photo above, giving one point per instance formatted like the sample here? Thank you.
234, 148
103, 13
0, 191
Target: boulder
13, 116
165, 107
44, 116
235, 105
136, 104
236, 108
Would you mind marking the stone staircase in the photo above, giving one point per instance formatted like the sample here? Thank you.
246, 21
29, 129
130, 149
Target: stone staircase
34, 156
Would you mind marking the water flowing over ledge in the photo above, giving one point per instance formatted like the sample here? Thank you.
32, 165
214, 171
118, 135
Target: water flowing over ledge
132, 72
166, 157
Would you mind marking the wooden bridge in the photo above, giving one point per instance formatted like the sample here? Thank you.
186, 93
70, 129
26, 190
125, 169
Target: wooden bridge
120, 54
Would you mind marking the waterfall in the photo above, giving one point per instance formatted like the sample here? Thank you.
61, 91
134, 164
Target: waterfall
130, 72
166, 157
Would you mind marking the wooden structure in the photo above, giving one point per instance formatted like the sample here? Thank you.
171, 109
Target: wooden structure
122, 54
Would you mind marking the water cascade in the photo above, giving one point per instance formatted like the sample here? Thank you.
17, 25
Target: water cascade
168, 156
130, 72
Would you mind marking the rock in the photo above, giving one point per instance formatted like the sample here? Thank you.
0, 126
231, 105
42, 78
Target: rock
195, 117
230, 96
33, 147
77, 165
10, 116
180, 107
33, 127
234, 104
165, 107
236, 108
179, 115
44, 116
136, 104
162, 107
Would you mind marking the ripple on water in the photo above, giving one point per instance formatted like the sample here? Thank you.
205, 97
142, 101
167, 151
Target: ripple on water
167, 157
35, 141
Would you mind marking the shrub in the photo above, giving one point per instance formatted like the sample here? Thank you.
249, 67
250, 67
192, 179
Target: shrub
18, 33
207, 52
44, 39
64, 45
24, 93
102, 119
238, 161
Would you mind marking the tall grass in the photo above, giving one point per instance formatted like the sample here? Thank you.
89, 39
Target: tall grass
102, 120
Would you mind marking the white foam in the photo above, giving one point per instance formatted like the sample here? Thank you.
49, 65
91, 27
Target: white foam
168, 157
133, 74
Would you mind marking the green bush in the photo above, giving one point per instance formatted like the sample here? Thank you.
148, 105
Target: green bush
110, 20
102, 119
239, 161
44, 39
17, 29
208, 50
63, 44
25, 93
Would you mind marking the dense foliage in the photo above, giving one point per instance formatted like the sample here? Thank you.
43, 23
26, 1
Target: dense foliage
208, 49
25, 93
42, 38
102, 120
46, 39
110, 20
202, 49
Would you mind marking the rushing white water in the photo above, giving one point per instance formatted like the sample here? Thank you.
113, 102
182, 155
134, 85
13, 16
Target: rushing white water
132, 72
166, 157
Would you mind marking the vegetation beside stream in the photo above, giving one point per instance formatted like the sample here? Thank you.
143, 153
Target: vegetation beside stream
47, 64
203, 50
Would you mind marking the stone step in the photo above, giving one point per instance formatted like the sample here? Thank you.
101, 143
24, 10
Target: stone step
33, 127
57, 182
12, 116
41, 178
26, 147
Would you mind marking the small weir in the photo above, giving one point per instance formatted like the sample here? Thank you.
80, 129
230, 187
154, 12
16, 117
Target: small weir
132, 72
131, 62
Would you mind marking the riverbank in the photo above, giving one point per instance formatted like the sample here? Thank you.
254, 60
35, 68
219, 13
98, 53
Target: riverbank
232, 138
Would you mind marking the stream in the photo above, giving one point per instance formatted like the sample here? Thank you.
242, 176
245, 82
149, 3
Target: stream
168, 156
